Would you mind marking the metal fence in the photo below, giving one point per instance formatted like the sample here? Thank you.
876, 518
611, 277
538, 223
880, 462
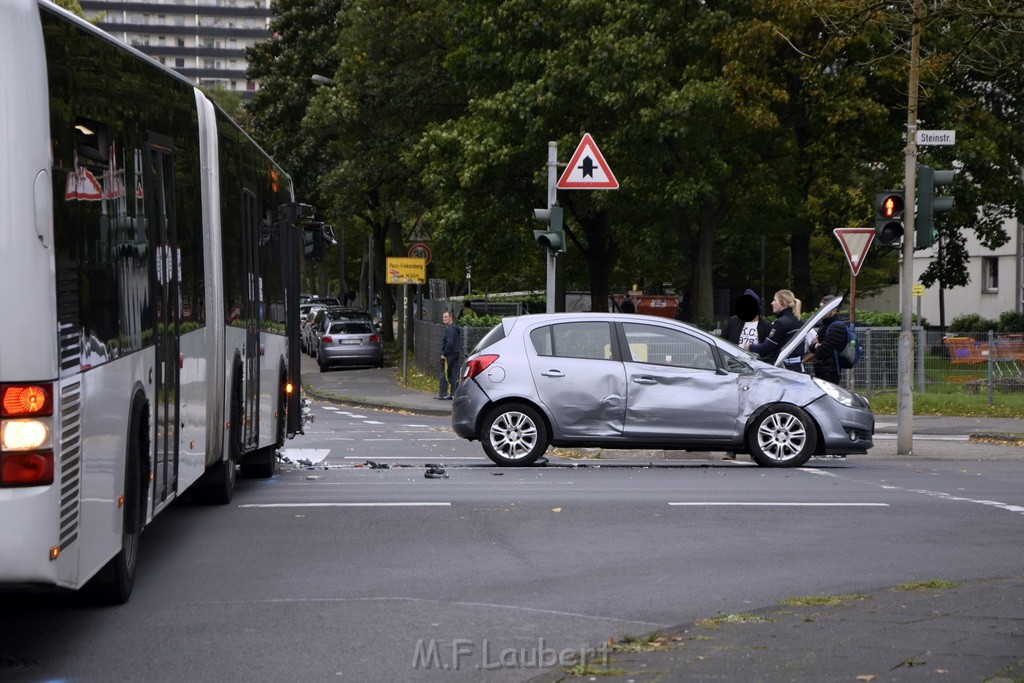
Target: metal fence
427, 338
983, 363
987, 364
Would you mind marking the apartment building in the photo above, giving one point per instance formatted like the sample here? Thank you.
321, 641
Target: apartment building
204, 40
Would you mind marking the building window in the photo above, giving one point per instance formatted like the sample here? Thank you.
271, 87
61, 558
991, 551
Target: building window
180, 42
179, 63
990, 274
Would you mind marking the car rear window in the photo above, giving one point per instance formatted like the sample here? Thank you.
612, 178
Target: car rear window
496, 334
350, 328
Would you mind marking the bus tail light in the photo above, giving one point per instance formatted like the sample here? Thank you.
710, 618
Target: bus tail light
25, 400
26, 434
26, 469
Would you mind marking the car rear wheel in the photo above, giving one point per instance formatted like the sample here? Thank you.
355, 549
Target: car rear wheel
782, 436
514, 435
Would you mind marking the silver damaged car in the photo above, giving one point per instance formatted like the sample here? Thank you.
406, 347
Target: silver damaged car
635, 381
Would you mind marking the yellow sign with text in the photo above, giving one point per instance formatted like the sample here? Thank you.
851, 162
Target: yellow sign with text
406, 271
917, 290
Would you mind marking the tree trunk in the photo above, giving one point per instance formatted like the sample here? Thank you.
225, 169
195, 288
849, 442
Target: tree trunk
800, 257
702, 275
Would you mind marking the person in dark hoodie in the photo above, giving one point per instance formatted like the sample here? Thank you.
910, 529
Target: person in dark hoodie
746, 325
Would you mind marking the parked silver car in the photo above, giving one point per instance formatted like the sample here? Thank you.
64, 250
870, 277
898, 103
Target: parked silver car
349, 342
631, 381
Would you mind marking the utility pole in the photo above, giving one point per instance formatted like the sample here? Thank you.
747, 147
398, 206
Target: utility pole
905, 351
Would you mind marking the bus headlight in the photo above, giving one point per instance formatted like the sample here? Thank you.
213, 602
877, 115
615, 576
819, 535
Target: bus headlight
25, 435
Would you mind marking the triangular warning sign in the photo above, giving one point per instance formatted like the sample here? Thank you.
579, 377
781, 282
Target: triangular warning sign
856, 242
419, 232
587, 170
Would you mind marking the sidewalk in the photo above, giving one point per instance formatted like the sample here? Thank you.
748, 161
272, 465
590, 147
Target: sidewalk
970, 631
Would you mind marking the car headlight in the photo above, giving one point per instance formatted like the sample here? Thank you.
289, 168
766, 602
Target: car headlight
837, 393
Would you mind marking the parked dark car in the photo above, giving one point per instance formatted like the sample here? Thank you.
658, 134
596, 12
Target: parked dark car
631, 381
349, 342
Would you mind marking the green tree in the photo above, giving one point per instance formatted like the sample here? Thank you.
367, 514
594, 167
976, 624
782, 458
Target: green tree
230, 101
388, 85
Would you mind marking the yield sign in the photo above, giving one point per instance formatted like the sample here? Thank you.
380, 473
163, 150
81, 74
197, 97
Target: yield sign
587, 170
856, 242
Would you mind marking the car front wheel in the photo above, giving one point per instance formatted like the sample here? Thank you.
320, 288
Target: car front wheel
514, 435
782, 436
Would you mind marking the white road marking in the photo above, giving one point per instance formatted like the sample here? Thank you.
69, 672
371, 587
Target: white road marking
372, 422
925, 437
312, 455
412, 457
947, 496
343, 505
753, 504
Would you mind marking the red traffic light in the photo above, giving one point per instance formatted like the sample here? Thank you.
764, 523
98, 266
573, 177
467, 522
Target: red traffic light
892, 206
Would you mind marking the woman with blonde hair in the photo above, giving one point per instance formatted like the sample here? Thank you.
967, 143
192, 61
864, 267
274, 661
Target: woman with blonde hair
787, 323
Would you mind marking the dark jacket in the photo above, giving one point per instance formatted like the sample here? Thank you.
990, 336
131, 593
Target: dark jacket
735, 326
451, 343
782, 329
831, 340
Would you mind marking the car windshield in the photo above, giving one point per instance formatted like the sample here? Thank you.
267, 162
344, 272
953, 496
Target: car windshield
350, 328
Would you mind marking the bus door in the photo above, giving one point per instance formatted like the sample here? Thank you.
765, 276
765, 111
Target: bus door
253, 314
160, 203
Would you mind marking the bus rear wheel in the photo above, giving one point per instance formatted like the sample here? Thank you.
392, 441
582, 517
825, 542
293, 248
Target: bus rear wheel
116, 580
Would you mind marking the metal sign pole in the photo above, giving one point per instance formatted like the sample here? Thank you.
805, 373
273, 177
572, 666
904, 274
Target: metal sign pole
405, 335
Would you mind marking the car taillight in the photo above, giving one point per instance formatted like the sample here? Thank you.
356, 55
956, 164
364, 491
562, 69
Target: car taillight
477, 365
326, 339
374, 339
26, 434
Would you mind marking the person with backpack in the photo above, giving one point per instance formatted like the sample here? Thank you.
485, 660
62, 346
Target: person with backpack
832, 339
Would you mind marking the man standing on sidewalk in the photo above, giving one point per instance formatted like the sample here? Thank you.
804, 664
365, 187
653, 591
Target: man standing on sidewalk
451, 346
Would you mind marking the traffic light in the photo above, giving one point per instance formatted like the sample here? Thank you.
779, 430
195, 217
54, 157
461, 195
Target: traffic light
889, 217
554, 237
928, 204
313, 241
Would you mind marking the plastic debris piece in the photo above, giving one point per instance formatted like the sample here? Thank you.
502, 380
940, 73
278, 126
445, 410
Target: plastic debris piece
435, 473
377, 465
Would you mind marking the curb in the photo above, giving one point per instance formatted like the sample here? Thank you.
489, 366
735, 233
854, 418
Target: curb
371, 405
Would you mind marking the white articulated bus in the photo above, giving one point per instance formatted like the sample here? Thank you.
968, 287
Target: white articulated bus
148, 297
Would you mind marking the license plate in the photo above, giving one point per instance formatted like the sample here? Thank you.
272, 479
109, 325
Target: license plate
351, 341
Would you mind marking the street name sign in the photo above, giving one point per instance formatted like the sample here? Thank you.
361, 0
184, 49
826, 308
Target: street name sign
935, 137
587, 169
855, 242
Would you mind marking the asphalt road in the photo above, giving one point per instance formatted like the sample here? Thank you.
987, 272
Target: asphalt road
343, 569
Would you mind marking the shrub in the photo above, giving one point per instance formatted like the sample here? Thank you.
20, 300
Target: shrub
972, 323
1011, 322
885, 319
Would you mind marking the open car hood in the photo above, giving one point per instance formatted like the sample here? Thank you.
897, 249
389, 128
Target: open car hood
801, 335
